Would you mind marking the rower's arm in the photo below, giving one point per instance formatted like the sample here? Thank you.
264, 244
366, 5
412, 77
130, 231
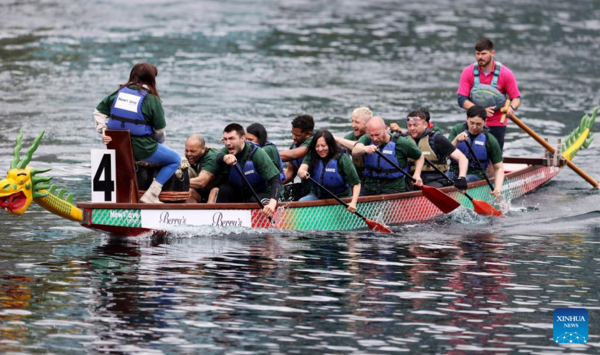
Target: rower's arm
275, 183
346, 143
290, 173
418, 167
498, 178
463, 162
359, 150
292, 154
303, 171
355, 194
201, 181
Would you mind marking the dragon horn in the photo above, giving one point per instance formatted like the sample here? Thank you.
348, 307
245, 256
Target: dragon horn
30, 152
39, 171
15, 161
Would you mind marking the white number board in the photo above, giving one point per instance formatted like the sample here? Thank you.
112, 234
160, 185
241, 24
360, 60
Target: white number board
104, 173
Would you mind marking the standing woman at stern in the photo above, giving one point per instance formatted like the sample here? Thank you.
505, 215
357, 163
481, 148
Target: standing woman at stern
136, 107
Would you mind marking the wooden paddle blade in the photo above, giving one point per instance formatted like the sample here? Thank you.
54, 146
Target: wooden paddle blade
378, 227
442, 201
484, 208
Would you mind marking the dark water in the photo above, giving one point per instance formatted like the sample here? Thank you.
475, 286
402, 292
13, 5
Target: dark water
461, 284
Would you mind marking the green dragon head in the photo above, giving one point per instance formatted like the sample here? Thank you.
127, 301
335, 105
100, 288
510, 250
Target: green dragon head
21, 185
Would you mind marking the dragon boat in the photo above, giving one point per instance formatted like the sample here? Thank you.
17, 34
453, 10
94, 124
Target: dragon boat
127, 217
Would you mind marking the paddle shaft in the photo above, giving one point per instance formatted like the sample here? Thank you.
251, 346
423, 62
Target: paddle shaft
479, 164
551, 149
335, 197
395, 166
446, 176
262, 207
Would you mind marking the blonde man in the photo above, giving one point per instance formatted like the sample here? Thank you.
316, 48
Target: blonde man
360, 117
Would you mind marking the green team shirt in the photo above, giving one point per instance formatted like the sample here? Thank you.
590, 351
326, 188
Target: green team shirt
404, 149
143, 146
273, 154
491, 145
305, 144
262, 162
351, 137
208, 163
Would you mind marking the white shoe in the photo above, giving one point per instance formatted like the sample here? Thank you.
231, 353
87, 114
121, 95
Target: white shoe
151, 195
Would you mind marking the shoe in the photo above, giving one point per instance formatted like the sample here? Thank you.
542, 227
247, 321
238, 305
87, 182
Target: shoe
151, 195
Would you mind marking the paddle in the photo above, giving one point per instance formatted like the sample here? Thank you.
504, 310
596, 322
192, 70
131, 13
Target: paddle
442, 201
262, 207
481, 207
379, 227
479, 164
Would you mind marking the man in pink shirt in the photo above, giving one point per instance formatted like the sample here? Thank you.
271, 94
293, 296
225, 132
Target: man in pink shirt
486, 83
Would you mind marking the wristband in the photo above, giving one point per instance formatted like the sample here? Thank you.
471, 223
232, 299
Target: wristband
514, 109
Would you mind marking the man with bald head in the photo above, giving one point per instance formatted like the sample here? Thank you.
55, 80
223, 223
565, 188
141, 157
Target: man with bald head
203, 169
380, 176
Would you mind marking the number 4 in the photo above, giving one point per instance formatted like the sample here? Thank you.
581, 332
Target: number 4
107, 185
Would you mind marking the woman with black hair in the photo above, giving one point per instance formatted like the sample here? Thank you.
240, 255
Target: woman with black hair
327, 164
257, 133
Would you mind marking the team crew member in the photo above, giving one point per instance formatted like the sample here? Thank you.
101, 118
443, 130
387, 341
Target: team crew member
484, 145
486, 83
257, 133
302, 131
203, 171
360, 117
436, 148
380, 176
326, 163
394, 127
136, 107
256, 166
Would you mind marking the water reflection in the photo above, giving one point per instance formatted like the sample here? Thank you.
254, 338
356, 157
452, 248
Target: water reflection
343, 293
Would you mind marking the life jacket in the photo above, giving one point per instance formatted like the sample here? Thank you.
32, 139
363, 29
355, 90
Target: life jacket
487, 95
329, 177
427, 146
126, 113
378, 168
479, 147
280, 167
252, 175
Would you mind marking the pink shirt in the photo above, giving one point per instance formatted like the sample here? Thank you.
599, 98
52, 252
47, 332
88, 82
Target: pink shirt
507, 84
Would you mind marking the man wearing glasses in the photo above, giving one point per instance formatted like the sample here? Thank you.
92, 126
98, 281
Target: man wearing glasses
380, 176
436, 148
256, 166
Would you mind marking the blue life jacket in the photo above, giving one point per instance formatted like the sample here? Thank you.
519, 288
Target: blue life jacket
126, 113
479, 147
280, 167
487, 95
378, 168
252, 175
329, 177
